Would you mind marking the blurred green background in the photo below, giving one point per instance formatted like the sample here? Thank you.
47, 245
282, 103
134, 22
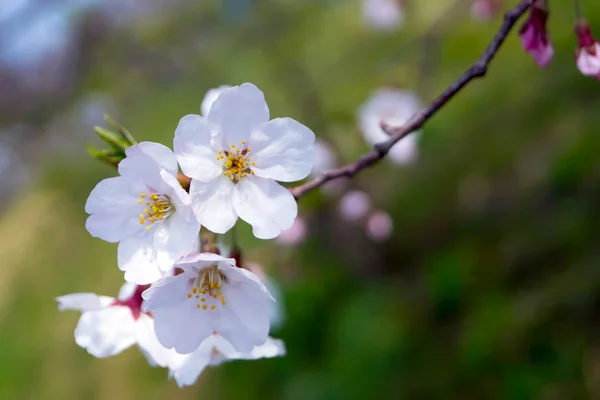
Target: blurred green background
490, 285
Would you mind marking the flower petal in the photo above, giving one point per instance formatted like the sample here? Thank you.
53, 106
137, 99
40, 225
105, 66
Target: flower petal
83, 302
192, 366
213, 204
155, 353
264, 204
237, 112
144, 162
181, 328
107, 332
251, 311
137, 258
113, 195
283, 149
193, 149
167, 292
271, 348
210, 97
112, 227
174, 239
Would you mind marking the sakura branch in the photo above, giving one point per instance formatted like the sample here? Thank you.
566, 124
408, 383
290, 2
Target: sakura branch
477, 70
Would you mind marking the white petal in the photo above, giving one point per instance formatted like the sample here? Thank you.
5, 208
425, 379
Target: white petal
251, 311
210, 97
182, 327
126, 291
237, 112
113, 227
167, 292
283, 149
83, 302
192, 366
113, 195
107, 332
266, 205
197, 261
230, 327
213, 204
155, 353
174, 239
160, 156
137, 258
193, 149
405, 151
271, 348
144, 162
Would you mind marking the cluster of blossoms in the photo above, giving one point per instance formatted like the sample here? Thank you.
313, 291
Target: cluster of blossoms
185, 304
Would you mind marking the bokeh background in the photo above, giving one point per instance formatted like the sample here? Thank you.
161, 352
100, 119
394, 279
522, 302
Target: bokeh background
489, 287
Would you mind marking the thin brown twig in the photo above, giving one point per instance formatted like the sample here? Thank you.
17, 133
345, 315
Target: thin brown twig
477, 70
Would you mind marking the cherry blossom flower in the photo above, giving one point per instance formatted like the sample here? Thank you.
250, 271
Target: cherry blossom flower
484, 10
379, 226
354, 206
211, 294
108, 326
146, 210
235, 156
588, 53
216, 350
383, 14
393, 107
534, 36
210, 97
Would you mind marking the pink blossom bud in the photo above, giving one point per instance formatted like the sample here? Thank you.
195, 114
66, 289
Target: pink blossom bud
294, 235
588, 53
534, 36
379, 226
484, 10
354, 205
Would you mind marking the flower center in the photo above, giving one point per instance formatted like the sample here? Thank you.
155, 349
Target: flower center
237, 162
157, 208
206, 289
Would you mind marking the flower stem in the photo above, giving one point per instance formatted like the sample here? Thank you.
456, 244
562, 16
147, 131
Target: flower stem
577, 6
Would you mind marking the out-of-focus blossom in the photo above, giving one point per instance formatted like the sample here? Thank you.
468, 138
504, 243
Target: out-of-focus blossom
236, 155
146, 210
324, 158
379, 226
210, 97
211, 294
108, 326
216, 350
354, 205
295, 234
393, 107
534, 36
484, 10
588, 53
383, 14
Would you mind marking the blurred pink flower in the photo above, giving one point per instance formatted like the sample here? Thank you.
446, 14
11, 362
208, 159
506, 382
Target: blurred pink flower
354, 205
588, 53
383, 14
484, 10
294, 235
324, 158
394, 107
379, 226
534, 36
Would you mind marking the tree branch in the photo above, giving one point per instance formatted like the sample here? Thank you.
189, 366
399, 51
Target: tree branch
477, 70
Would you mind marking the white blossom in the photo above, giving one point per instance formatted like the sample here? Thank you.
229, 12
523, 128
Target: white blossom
215, 350
146, 210
210, 97
235, 155
383, 14
394, 107
108, 326
211, 294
